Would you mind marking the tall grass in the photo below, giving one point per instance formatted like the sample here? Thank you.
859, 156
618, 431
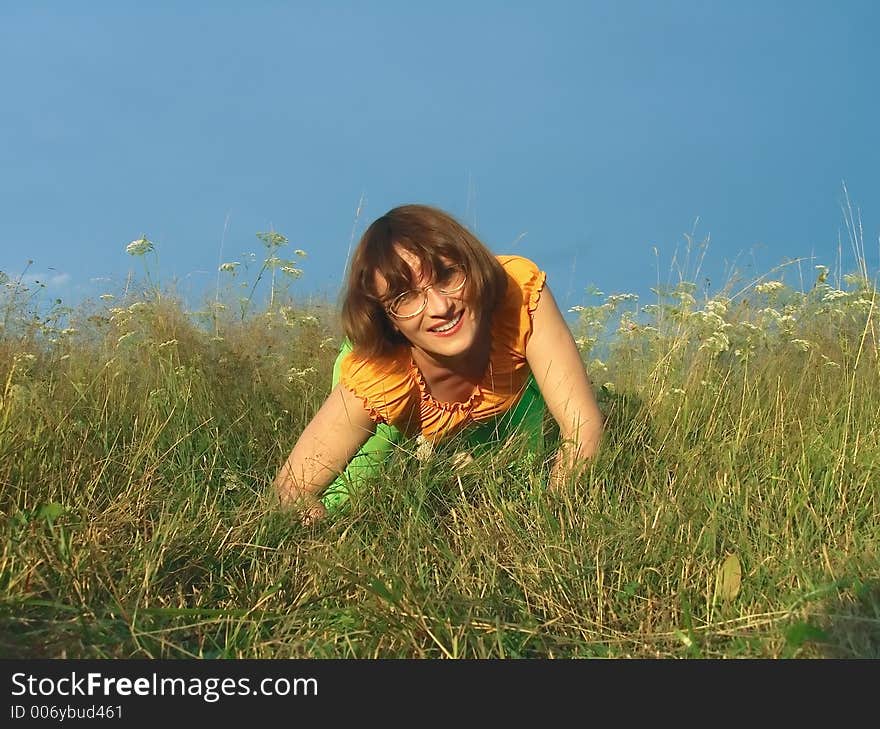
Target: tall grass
732, 511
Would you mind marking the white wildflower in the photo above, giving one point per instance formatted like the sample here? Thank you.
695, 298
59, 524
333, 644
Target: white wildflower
769, 287
230, 266
717, 343
711, 318
107, 297
288, 313
292, 271
828, 362
615, 299
139, 247
684, 297
461, 459
717, 307
300, 252
801, 344
296, 375
834, 295
231, 480
424, 448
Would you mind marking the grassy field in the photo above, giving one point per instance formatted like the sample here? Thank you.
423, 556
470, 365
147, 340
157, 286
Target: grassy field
733, 510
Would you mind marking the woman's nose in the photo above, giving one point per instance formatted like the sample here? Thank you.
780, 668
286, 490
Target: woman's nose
438, 304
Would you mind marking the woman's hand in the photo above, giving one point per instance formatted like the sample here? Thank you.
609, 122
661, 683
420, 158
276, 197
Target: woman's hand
313, 513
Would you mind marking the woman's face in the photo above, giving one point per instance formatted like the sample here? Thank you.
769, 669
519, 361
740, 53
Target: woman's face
430, 330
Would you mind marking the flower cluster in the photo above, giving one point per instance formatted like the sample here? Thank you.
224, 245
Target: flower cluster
139, 247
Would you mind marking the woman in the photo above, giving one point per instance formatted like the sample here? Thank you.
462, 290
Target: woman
444, 339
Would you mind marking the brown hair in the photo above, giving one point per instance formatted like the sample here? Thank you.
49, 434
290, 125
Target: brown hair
430, 234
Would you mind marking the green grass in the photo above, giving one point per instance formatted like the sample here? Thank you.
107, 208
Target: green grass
136, 518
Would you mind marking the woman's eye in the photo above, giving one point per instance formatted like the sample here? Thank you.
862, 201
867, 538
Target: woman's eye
452, 278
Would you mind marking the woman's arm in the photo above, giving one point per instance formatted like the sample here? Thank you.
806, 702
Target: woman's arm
556, 364
328, 443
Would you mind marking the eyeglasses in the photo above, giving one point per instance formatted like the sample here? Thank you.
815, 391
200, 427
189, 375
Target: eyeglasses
413, 302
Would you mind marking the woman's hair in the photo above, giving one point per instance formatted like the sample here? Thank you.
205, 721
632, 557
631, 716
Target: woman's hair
436, 239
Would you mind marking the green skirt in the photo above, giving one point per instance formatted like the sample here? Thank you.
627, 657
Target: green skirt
525, 419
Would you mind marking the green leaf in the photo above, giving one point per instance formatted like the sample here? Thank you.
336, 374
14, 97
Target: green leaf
684, 638
801, 632
379, 588
51, 511
729, 578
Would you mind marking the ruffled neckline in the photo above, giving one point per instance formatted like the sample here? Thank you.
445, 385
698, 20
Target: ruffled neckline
476, 396
450, 407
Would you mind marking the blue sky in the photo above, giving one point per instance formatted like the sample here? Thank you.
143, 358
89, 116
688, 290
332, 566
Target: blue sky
583, 135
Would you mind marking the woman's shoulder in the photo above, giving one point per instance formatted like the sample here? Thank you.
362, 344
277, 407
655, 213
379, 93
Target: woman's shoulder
384, 384
528, 281
518, 267
513, 318
391, 366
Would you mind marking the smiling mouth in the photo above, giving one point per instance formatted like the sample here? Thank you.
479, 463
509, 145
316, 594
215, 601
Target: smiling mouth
443, 328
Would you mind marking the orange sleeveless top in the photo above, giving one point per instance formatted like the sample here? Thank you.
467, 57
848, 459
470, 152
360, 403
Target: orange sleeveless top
393, 389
